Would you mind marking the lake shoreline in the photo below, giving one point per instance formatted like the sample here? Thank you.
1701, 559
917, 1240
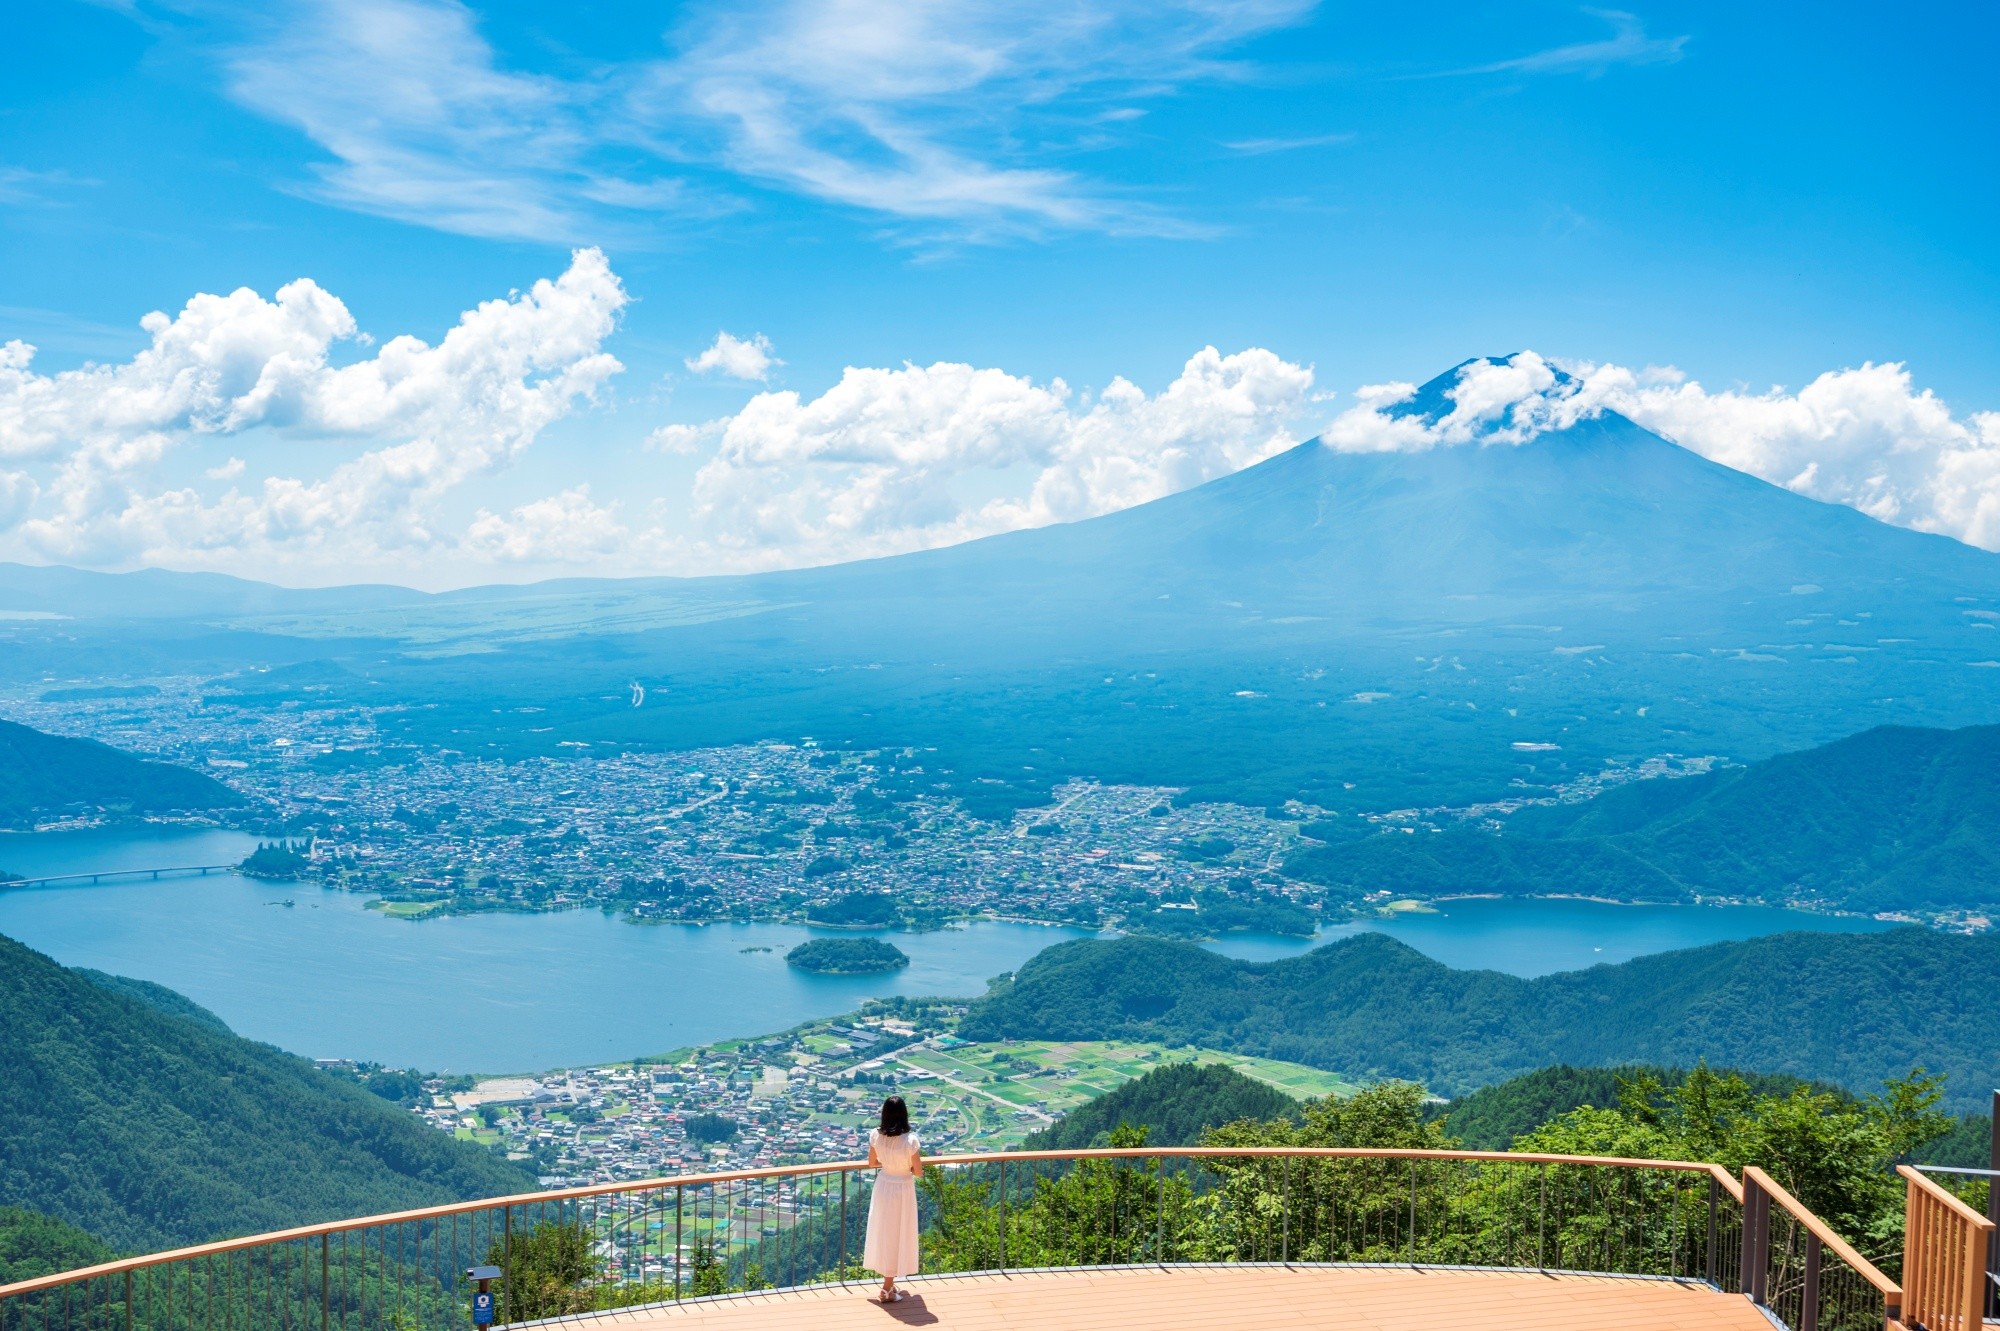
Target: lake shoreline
503, 989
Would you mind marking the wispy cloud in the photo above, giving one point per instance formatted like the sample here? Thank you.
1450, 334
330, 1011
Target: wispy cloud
423, 125
942, 114
20, 186
1628, 44
1257, 147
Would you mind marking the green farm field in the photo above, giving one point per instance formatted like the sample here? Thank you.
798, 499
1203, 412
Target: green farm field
992, 1095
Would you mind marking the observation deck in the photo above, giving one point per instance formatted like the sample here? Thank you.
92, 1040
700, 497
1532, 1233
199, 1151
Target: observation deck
1201, 1298
1154, 1238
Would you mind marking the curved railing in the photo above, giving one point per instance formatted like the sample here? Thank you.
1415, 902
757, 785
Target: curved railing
616, 1245
1811, 1278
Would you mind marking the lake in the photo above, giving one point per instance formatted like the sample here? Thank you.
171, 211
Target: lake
1542, 935
327, 977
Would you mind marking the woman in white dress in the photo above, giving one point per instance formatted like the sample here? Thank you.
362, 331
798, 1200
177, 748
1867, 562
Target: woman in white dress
891, 1249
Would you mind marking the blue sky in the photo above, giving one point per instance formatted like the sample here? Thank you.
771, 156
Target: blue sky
1049, 197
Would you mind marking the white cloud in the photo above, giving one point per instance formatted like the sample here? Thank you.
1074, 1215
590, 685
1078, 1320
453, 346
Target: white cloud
20, 187
428, 418
17, 495
421, 122
227, 471
883, 461
565, 528
735, 357
1865, 437
686, 440
1260, 147
1628, 44
947, 113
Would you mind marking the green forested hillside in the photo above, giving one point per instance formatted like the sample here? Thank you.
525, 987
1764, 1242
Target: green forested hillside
1896, 818
1175, 1104
32, 1244
42, 775
1850, 1009
149, 1128
155, 996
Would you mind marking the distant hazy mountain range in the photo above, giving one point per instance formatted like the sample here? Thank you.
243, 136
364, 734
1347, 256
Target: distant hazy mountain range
1361, 630
1895, 819
1850, 1009
45, 776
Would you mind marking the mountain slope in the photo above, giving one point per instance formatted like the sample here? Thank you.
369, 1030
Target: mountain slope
1851, 1009
1895, 819
150, 1129
42, 775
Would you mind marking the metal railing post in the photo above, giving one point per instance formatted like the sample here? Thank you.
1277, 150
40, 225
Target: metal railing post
1541, 1224
1285, 1215
1992, 1302
1160, 1219
1756, 1240
1714, 1199
325, 1283
1003, 1215
680, 1197
1413, 1212
843, 1224
1744, 1280
1809, 1299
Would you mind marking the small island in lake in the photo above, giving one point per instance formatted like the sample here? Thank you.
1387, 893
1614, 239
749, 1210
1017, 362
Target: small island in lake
278, 859
847, 956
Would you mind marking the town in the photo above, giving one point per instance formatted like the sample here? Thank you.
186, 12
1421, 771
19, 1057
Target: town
764, 831
807, 1094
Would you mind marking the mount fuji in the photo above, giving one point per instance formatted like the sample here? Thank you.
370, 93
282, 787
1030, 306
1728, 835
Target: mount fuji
1458, 623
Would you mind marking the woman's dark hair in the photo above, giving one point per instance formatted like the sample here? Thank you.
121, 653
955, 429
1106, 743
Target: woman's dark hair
895, 1117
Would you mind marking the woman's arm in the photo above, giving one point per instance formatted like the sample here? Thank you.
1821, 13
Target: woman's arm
874, 1161
917, 1164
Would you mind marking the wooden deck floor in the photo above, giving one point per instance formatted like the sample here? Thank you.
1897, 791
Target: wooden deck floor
1191, 1298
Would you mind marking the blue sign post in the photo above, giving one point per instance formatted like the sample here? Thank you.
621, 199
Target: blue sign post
482, 1299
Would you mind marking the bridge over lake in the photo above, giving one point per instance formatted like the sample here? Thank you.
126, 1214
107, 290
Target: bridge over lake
120, 875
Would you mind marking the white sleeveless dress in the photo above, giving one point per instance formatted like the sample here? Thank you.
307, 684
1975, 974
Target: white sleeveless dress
891, 1249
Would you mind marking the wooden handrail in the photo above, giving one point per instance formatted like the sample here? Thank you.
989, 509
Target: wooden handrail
1944, 1257
124, 1264
1891, 1291
1942, 1197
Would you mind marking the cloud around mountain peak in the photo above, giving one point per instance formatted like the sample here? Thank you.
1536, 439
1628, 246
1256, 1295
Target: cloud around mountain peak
342, 465
1866, 437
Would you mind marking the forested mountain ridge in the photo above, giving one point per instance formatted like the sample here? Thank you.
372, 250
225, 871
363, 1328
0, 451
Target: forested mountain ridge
1850, 1009
150, 1129
43, 775
1895, 818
